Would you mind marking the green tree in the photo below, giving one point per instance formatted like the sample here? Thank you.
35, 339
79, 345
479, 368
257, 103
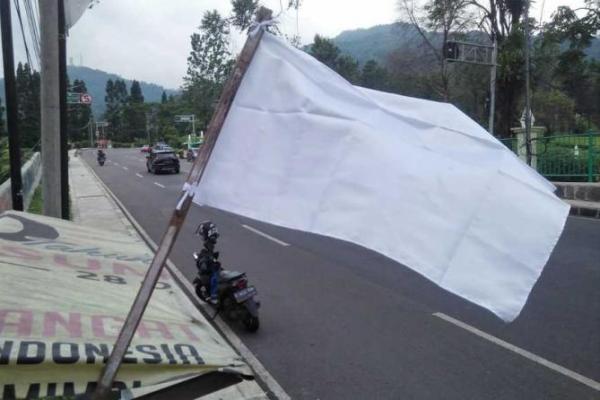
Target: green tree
242, 13
436, 23
116, 100
163, 97
2, 124
374, 76
573, 72
503, 22
347, 66
209, 57
134, 114
209, 64
555, 111
325, 50
28, 105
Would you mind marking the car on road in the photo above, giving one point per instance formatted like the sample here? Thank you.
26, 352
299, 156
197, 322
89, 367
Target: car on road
146, 148
162, 160
162, 146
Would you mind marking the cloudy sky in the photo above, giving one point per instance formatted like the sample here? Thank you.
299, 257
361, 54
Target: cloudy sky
149, 39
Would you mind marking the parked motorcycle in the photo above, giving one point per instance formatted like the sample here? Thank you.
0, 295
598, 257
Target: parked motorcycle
233, 296
101, 157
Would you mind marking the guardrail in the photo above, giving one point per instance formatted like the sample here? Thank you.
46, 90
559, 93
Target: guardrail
568, 157
30, 174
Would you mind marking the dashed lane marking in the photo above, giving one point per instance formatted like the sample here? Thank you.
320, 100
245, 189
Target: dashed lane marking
271, 238
522, 352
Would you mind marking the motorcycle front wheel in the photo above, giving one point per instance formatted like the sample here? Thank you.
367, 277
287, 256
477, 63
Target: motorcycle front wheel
201, 293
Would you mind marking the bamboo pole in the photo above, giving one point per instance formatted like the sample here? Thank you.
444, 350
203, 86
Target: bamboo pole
178, 217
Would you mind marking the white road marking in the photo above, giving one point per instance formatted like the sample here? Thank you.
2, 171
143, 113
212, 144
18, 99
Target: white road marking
117, 164
139, 175
126, 169
523, 353
159, 185
265, 235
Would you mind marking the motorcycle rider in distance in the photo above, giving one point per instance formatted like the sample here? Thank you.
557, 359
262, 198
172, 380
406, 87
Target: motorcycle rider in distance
207, 259
101, 156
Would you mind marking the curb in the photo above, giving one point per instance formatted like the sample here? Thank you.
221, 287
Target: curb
272, 389
585, 212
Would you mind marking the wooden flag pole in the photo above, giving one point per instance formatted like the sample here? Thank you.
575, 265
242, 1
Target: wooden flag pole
178, 217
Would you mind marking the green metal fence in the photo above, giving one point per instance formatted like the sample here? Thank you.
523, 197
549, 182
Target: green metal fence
572, 157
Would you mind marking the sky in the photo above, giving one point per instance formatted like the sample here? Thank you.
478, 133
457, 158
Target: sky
149, 40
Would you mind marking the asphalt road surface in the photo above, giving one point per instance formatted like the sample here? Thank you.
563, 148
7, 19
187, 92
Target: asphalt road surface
342, 322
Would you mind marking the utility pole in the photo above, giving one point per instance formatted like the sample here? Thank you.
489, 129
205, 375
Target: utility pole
10, 88
50, 108
527, 85
91, 128
493, 88
147, 128
64, 137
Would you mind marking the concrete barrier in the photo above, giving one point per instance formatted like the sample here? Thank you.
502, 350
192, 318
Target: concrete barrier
30, 175
578, 191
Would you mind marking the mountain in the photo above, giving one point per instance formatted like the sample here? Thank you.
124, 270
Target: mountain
379, 41
95, 81
376, 42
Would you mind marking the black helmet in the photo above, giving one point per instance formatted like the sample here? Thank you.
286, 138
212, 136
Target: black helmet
208, 231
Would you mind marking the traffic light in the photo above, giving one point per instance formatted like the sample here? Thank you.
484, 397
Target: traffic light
451, 51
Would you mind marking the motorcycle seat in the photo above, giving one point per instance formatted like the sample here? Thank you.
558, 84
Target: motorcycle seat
230, 275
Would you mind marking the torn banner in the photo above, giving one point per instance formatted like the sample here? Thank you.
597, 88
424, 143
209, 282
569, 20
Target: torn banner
64, 294
415, 180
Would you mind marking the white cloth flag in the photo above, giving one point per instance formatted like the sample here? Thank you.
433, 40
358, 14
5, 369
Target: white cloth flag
415, 180
74, 9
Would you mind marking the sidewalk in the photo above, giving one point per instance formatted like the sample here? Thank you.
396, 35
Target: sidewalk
92, 206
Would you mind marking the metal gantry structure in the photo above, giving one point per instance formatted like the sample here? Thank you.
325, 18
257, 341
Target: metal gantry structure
479, 54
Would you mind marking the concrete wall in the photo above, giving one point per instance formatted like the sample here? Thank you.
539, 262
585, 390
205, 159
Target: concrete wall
578, 191
30, 174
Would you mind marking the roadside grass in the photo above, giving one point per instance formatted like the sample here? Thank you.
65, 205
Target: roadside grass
35, 207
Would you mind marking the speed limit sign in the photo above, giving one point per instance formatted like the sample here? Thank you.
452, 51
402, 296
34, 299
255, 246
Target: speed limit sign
85, 98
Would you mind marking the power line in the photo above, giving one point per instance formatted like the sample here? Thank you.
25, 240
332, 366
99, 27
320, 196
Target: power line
23, 33
37, 11
33, 28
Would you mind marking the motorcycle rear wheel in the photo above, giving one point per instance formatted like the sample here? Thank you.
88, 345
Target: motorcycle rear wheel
251, 323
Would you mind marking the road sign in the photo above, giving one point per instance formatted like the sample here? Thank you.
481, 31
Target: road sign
78, 98
85, 98
73, 98
184, 118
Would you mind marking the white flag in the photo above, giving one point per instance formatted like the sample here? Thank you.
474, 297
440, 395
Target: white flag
74, 9
415, 180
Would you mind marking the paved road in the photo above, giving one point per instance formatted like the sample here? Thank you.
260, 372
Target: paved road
341, 322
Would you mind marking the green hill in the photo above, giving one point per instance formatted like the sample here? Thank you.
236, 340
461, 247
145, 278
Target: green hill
95, 81
379, 41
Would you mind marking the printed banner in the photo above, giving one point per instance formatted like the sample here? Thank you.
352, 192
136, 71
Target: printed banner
64, 293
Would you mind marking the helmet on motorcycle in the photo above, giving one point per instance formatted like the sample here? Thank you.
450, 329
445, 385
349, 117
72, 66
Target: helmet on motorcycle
208, 231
